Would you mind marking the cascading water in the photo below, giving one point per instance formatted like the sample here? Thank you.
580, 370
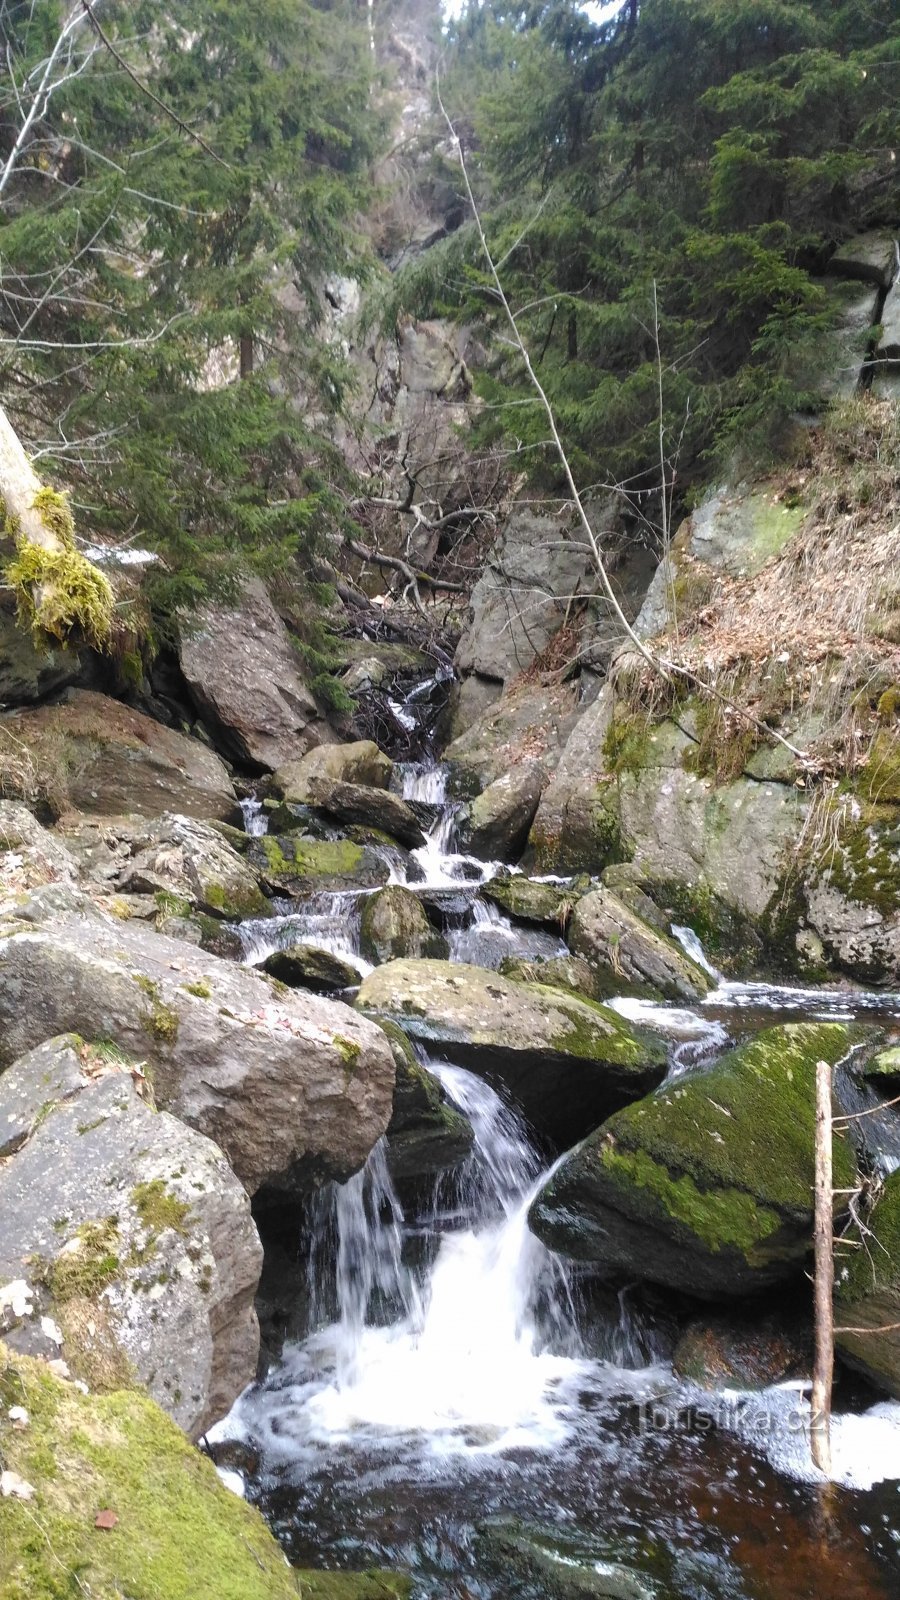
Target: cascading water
256, 823
328, 921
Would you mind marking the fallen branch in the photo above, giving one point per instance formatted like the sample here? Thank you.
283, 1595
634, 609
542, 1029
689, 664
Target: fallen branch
823, 1366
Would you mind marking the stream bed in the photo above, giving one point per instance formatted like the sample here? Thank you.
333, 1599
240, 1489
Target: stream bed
461, 1410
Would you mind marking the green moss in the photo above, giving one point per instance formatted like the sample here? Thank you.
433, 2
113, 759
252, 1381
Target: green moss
87, 1263
171, 905
275, 857
56, 514
879, 780
158, 1208
349, 1052
722, 1218
60, 594
864, 865
131, 669
201, 987
889, 705
180, 1535
161, 1022
595, 1032
625, 742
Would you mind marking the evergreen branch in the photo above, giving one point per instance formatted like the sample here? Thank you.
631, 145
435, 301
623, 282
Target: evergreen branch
667, 670
87, 6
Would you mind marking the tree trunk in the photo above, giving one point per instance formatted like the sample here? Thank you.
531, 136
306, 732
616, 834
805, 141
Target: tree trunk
823, 1367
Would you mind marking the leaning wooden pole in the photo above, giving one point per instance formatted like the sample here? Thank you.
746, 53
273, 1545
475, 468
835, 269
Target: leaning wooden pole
823, 1367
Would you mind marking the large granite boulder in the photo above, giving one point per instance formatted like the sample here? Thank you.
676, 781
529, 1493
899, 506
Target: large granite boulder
292, 1087
95, 754
131, 1230
496, 823
613, 938
192, 864
393, 925
528, 900
529, 723
566, 1061
867, 1293
308, 966
706, 1186
368, 806
426, 1134
870, 257
359, 762
246, 680
296, 865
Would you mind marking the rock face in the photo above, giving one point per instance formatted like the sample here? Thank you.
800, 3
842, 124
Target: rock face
615, 939
425, 1134
744, 1353
103, 758
564, 1060
132, 1225
26, 674
871, 257
290, 1086
360, 762
245, 677
529, 723
496, 826
394, 925
294, 865
369, 806
868, 1295
191, 862
706, 1186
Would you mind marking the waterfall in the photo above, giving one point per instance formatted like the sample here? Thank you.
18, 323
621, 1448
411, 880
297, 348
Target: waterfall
256, 823
328, 921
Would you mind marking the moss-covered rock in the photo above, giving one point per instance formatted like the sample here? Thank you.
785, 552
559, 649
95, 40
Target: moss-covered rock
294, 865
612, 937
190, 862
306, 966
567, 1061
867, 1293
394, 925
548, 905
425, 1134
705, 1186
367, 806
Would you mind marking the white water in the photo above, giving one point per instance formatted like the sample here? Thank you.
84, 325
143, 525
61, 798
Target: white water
441, 865
256, 823
328, 921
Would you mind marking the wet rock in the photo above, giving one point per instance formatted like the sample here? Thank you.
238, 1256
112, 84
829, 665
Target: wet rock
291, 1086
734, 1353
190, 863
395, 925
566, 1061
559, 972
360, 762
369, 807
889, 342
306, 966
426, 1134
180, 1530
136, 1236
705, 1186
246, 680
548, 905
871, 257
609, 935
298, 866
100, 756
867, 1293
495, 825
559, 1565
857, 311
852, 903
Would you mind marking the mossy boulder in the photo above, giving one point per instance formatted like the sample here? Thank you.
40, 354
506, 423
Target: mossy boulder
740, 1352
95, 754
190, 862
178, 1534
566, 1061
867, 1293
615, 939
853, 900
367, 806
559, 972
359, 762
548, 905
131, 1230
494, 827
306, 966
426, 1134
394, 925
705, 1186
298, 866
292, 1087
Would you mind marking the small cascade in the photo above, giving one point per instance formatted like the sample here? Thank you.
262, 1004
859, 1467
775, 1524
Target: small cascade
489, 937
441, 865
256, 823
692, 947
329, 921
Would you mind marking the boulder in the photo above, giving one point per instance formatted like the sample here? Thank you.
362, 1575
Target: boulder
307, 966
394, 925
292, 1087
100, 756
706, 1186
559, 972
547, 905
30, 855
531, 722
426, 1134
132, 1231
566, 1061
369, 807
190, 867
889, 342
246, 681
867, 1293
871, 257
552, 1563
26, 673
298, 866
496, 823
853, 898
360, 762
614, 939
744, 1352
